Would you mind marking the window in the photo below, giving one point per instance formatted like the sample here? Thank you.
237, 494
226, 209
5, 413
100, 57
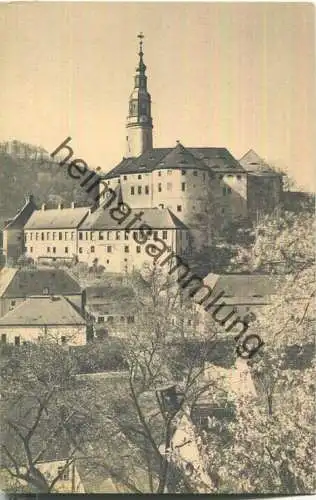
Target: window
72, 235
126, 249
31, 249
54, 249
92, 249
12, 303
63, 339
66, 249
164, 235
66, 236
125, 177
179, 208
108, 262
117, 235
139, 177
220, 177
126, 235
3, 338
169, 172
182, 172
101, 319
108, 235
47, 236
155, 233
54, 235
132, 190
195, 173
169, 186
159, 173
239, 177
31, 236
139, 190
183, 186
48, 249
146, 189
62, 472
17, 341
122, 319
110, 319
189, 322
42, 236
138, 248
130, 319
101, 235
36, 236
80, 249
109, 248
80, 236
159, 187
92, 236
60, 236
45, 291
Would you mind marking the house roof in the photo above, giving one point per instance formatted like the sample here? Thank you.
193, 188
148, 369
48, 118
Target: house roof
57, 218
204, 158
156, 218
255, 286
28, 282
109, 300
50, 310
255, 165
23, 215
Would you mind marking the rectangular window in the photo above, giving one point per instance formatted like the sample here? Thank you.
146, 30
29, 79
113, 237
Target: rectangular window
122, 319
72, 235
80, 236
66, 249
48, 249
159, 187
183, 186
117, 235
239, 177
92, 249
110, 319
3, 338
179, 208
146, 189
31, 250
132, 190
138, 248
47, 236
130, 319
63, 341
108, 235
80, 249
101, 235
126, 249
155, 235
109, 248
17, 341
195, 173
92, 236
66, 236
125, 177
60, 236
164, 235
126, 235
169, 186
139, 177
87, 235
31, 236
182, 172
139, 190
54, 235
159, 173
12, 303
54, 249
101, 319
36, 236
42, 236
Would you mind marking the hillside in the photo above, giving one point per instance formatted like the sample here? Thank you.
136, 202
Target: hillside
24, 171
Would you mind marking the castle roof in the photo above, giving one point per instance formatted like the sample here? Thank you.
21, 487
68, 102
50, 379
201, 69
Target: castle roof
23, 214
27, 282
37, 311
239, 286
203, 158
156, 218
255, 165
57, 218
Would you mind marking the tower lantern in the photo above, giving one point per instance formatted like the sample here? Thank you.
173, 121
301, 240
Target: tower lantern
139, 121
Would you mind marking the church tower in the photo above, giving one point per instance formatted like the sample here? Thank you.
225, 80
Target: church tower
139, 137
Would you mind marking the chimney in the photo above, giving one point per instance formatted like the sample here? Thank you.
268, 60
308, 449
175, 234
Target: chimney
44, 206
72, 204
60, 206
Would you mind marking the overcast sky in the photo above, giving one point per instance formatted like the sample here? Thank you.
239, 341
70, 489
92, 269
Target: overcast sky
235, 75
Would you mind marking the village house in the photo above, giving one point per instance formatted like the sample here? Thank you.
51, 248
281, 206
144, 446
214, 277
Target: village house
44, 319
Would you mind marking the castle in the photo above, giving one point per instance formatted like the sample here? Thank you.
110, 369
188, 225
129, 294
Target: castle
186, 195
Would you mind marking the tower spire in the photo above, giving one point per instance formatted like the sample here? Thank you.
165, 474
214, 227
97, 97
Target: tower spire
139, 121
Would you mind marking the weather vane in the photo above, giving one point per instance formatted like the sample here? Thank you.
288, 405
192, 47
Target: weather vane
140, 36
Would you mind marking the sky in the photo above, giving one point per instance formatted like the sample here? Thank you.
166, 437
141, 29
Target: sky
235, 75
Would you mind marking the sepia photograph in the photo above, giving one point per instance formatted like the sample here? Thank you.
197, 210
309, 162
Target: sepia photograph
157, 252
